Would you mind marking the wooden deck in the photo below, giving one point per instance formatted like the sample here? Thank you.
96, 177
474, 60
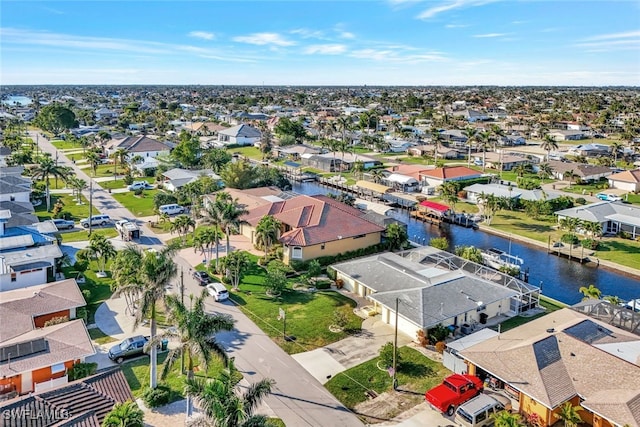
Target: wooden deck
575, 252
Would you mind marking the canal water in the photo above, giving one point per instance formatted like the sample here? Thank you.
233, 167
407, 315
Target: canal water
558, 277
17, 100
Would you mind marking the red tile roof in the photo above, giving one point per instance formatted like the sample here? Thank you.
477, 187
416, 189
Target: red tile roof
314, 219
450, 172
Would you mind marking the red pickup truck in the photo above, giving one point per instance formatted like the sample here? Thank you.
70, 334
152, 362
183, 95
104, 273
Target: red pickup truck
453, 392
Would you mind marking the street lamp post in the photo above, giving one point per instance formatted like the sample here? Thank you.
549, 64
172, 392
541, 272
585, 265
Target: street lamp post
395, 348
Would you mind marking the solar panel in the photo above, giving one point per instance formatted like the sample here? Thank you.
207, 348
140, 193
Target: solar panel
588, 331
547, 352
22, 349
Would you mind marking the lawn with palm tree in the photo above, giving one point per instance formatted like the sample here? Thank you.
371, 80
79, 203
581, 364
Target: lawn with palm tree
141, 205
71, 206
308, 314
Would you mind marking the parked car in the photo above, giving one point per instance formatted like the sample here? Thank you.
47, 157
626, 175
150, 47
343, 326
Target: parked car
453, 392
609, 197
130, 347
64, 224
172, 209
217, 291
202, 277
140, 185
478, 411
95, 220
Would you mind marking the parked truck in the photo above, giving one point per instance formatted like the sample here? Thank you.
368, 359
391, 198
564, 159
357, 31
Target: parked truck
128, 230
455, 390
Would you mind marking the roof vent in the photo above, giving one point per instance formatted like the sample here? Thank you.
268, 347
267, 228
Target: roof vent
551, 330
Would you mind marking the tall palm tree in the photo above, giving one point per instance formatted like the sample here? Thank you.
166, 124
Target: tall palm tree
267, 232
126, 277
549, 143
93, 158
437, 139
485, 141
449, 193
44, 170
231, 218
471, 134
570, 175
377, 175
182, 224
156, 272
205, 239
545, 170
78, 185
222, 402
119, 156
615, 149
195, 331
213, 216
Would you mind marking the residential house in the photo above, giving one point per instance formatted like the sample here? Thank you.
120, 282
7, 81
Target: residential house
507, 192
627, 180
176, 178
436, 177
27, 252
507, 160
582, 172
203, 128
314, 226
105, 113
5, 152
140, 145
295, 152
510, 140
239, 135
431, 287
428, 149
34, 355
15, 188
590, 150
614, 217
82, 403
335, 162
566, 135
455, 138
542, 365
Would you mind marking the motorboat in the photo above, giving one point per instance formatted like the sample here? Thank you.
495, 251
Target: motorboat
496, 258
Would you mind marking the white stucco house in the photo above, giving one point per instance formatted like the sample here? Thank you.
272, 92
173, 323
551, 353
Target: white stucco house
239, 135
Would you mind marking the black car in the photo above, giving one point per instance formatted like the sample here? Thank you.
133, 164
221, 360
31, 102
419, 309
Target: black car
201, 277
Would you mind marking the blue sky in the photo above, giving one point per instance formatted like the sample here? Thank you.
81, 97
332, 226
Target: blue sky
358, 42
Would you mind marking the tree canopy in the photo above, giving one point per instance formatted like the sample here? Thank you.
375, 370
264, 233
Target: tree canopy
55, 118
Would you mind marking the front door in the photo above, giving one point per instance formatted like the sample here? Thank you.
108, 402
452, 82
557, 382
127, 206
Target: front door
27, 383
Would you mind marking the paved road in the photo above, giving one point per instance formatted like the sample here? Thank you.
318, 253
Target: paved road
298, 398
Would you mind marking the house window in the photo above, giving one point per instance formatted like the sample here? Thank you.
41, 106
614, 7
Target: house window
12, 198
58, 367
359, 236
296, 252
322, 247
13, 277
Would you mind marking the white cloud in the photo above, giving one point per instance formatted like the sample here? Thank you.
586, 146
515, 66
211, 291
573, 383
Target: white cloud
325, 49
456, 26
262, 39
489, 35
452, 5
629, 34
390, 55
308, 34
202, 35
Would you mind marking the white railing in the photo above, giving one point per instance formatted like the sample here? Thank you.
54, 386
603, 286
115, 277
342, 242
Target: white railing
52, 383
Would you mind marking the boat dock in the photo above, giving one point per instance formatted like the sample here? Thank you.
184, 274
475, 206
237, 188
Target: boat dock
571, 252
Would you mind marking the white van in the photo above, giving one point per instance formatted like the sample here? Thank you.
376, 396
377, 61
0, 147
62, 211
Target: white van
172, 209
478, 411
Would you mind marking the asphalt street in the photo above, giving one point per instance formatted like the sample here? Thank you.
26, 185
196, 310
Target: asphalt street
297, 398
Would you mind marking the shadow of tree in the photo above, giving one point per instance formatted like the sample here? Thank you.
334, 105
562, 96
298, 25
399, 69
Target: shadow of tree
415, 370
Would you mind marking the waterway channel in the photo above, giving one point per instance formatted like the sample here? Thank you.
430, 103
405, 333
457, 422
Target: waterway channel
558, 277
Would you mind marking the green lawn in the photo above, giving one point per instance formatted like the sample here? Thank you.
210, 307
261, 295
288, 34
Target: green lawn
588, 189
82, 235
549, 305
119, 183
621, 251
251, 152
65, 145
100, 337
76, 211
519, 223
100, 288
60, 185
137, 374
416, 373
633, 198
138, 205
104, 170
308, 315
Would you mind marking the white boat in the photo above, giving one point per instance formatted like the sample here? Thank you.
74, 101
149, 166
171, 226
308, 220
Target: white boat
495, 258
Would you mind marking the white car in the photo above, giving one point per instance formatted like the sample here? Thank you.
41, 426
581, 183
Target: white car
217, 291
140, 185
609, 197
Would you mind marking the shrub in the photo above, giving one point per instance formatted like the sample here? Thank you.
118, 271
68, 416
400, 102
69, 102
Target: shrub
56, 321
128, 179
86, 293
138, 192
569, 238
589, 244
82, 313
624, 235
421, 336
439, 243
340, 318
437, 333
82, 370
322, 284
581, 201
331, 273
440, 346
386, 355
157, 397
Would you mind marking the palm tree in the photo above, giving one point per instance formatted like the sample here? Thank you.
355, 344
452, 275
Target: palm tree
102, 250
549, 143
205, 239
120, 155
126, 414
267, 232
437, 139
358, 168
471, 134
485, 141
222, 402
344, 125
613, 300
570, 175
449, 193
590, 292
93, 158
230, 215
195, 331
45, 169
78, 185
126, 277
181, 225
615, 149
594, 228
396, 236
569, 415
156, 272
235, 264
545, 170
377, 175
213, 216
